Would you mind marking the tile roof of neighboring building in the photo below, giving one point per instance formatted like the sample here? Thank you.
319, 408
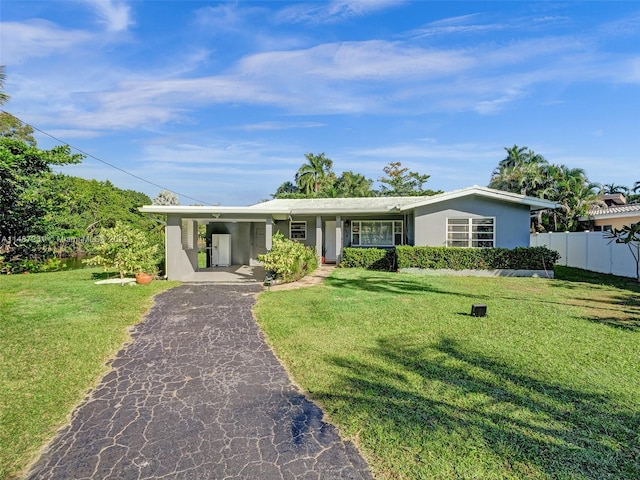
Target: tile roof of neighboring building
618, 210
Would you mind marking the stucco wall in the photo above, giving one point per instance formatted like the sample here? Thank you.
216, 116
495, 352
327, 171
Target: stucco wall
179, 262
512, 222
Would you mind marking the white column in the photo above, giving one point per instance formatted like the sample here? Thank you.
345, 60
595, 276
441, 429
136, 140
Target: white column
339, 238
268, 233
319, 236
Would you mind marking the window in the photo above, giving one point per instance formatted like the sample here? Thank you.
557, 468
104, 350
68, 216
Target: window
298, 230
470, 232
376, 233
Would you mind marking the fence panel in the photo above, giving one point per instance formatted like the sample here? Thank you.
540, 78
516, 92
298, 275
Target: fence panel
589, 251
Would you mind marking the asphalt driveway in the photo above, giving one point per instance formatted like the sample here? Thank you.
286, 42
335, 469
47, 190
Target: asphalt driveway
198, 394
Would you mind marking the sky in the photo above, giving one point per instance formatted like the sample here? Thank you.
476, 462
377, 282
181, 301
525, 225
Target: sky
220, 101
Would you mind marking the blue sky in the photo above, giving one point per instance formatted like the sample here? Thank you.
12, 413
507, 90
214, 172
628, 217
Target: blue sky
221, 100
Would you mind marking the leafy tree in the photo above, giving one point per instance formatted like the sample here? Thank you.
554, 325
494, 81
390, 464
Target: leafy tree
521, 171
314, 174
126, 249
612, 188
287, 188
351, 184
165, 197
630, 236
402, 182
527, 173
12, 127
4, 98
23, 208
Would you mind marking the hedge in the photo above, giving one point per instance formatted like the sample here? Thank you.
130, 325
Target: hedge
520, 258
370, 258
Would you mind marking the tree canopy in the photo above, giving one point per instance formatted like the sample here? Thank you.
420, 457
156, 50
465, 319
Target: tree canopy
316, 178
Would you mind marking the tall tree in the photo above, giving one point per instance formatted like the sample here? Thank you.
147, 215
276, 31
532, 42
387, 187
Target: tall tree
521, 171
351, 184
311, 176
165, 197
23, 207
12, 127
612, 188
4, 98
400, 181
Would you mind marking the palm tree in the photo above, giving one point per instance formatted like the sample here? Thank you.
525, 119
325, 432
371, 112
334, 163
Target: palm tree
575, 194
612, 188
310, 175
522, 171
4, 98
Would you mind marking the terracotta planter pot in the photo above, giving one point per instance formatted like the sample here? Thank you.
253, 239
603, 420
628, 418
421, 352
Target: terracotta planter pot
143, 278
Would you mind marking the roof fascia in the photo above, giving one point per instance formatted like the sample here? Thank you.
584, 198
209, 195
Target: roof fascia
487, 193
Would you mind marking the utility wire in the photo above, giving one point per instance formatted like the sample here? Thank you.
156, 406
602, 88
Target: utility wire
86, 154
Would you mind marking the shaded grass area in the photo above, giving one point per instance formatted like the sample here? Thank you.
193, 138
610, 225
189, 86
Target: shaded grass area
58, 330
546, 386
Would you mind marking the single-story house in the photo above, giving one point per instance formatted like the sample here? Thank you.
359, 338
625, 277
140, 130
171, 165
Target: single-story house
612, 212
203, 237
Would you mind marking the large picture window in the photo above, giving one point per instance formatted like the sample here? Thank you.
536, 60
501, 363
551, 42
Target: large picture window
376, 233
471, 232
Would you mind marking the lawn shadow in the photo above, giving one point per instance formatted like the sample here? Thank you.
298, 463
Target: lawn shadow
566, 275
406, 285
104, 275
388, 284
534, 427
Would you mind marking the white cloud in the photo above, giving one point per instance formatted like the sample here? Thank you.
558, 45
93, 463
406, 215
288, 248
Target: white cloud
335, 11
36, 38
116, 16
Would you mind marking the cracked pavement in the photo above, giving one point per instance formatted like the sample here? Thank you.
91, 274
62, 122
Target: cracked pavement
198, 394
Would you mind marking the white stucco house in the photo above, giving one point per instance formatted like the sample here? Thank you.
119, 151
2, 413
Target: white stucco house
470, 217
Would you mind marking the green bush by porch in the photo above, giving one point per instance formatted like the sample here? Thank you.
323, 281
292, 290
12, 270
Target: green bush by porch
288, 260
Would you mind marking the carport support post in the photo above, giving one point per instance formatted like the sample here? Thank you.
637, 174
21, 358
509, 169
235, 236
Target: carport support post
319, 237
268, 233
338, 239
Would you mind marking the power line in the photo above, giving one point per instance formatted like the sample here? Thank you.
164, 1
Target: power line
86, 154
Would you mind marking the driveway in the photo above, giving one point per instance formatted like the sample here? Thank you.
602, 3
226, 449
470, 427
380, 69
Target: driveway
198, 394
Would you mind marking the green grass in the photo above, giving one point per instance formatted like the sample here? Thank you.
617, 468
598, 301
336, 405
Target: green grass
547, 386
58, 330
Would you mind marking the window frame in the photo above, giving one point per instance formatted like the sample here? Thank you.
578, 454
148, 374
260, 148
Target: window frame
303, 231
395, 225
469, 240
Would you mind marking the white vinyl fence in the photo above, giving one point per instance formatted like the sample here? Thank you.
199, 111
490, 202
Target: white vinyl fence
589, 251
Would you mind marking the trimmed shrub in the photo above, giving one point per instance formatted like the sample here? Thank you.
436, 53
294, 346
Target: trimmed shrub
288, 260
520, 258
370, 258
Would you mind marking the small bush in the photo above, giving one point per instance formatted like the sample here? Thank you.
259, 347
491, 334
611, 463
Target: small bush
370, 258
288, 260
520, 258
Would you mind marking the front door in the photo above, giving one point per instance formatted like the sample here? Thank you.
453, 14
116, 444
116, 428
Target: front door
330, 254
220, 250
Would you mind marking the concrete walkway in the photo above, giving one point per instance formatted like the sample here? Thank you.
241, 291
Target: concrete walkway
199, 395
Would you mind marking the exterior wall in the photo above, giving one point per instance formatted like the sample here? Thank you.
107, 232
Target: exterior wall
512, 221
616, 222
179, 262
589, 251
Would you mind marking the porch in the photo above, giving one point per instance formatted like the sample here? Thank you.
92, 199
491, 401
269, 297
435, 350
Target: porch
227, 275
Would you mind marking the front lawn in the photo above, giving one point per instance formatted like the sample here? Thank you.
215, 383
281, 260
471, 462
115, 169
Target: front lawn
58, 330
546, 386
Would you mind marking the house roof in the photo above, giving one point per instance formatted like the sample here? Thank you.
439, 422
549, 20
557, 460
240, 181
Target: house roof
361, 205
618, 211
